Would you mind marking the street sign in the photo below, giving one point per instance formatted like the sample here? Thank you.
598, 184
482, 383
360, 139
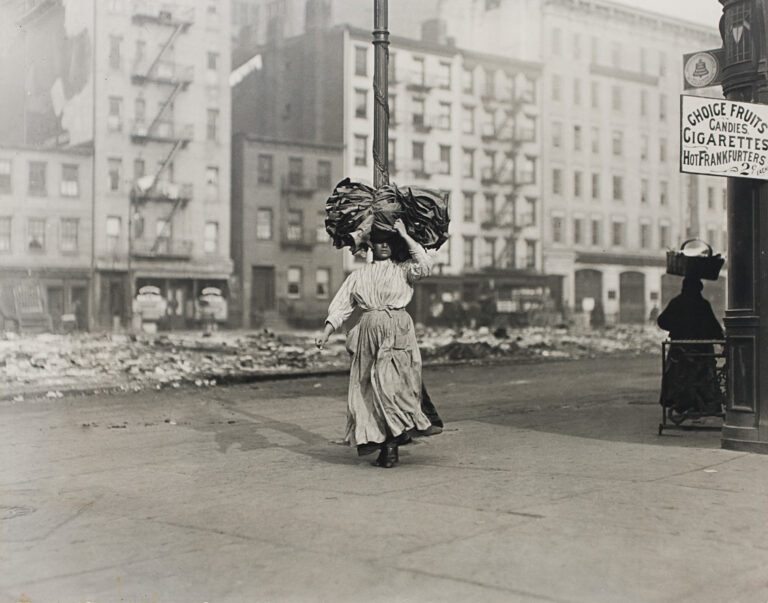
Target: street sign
719, 137
703, 69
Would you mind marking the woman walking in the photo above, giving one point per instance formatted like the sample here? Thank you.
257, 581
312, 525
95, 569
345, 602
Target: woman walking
384, 399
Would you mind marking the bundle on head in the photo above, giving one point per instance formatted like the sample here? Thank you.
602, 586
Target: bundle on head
354, 209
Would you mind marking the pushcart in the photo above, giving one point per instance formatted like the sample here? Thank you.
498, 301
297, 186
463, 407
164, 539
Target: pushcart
694, 383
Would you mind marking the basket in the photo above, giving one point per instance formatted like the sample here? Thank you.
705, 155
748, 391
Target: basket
698, 266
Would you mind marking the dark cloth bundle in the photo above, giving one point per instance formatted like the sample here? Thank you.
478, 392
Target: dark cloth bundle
354, 209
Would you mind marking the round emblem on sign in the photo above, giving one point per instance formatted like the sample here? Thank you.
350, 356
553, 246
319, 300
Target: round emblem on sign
700, 69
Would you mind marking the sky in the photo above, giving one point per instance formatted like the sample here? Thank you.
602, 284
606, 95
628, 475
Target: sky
706, 12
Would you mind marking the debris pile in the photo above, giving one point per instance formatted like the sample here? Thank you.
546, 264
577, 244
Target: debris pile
49, 363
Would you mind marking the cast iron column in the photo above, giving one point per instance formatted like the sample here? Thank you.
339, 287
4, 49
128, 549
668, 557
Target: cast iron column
745, 79
380, 94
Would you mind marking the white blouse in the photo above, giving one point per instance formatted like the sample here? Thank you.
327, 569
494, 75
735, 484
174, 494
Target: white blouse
382, 285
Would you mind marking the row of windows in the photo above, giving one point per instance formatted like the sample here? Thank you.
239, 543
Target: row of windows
495, 83
646, 62
617, 97
37, 178
493, 212
295, 282
617, 141
495, 252
296, 173
617, 187
35, 236
163, 234
164, 121
618, 233
294, 226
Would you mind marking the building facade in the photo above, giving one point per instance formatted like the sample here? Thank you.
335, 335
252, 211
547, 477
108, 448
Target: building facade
45, 237
284, 261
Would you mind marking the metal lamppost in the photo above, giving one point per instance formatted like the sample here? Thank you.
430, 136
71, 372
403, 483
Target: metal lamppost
380, 94
745, 78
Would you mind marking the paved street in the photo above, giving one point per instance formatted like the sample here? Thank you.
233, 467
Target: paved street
550, 483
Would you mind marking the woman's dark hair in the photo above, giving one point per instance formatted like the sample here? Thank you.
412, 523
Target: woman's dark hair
400, 251
692, 285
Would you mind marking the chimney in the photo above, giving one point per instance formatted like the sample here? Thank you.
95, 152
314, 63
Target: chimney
434, 31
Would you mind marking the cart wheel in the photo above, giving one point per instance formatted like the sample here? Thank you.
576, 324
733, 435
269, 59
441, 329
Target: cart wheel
661, 428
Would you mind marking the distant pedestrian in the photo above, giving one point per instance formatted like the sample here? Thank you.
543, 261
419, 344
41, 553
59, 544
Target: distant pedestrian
385, 387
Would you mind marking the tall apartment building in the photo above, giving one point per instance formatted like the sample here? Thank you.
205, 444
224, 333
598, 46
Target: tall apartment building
465, 123
45, 235
145, 85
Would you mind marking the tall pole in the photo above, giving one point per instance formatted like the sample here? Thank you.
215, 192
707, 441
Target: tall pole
380, 94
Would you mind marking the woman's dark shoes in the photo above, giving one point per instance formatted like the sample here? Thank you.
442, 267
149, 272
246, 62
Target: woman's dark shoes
388, 456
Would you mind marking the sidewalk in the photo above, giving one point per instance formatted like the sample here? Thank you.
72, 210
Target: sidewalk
536, 491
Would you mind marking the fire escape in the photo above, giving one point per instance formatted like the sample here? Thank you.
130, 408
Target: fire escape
508, 134
171, 79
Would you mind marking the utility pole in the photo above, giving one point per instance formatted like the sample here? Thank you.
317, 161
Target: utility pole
745, 78
380, 93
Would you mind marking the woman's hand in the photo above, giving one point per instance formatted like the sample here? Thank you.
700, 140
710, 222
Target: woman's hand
400, 228
323, 339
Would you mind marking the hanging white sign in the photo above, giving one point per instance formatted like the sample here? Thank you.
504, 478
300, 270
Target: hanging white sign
719, 137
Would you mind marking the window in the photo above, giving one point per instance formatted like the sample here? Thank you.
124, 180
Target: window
663, 107
444, 116
361, 103
417, 153
526, 128
212, 183
70, 184
264, 169
324, 169
68, 239
578, 231
361, 149
616, 98
211, 237
594, 50
468, 164
663, 192
556, 88
5, 234
617, 142
392, 144
595, 139
595, 95
114, 120
418, 112
710, 197
577, 138
418, 71
643, 60
643, 147
361, 60
113, 175
489, 252
139, 168
321, 235
211, 125
643, 103
469, 252
36, 234
468, 207
645, 235
557, 134
263, 224
490, 83
595, 186
557, 229
295, 171
490, 208
139, 110
528, 170
37, 179
595, 234
617, 233
5, 176
113, 228
557, 181
114, 52
662, 149
577, 184
391, 71
294, 227
576, 91
531, 211
444, 75
468, 120
468, 80
530, 253
322, 283
664, 236
293, 278
557, 36
644, 190
618, 188
213, 60
445, 159
528, 92
616, 55
662, 64
163, 235
576, 46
